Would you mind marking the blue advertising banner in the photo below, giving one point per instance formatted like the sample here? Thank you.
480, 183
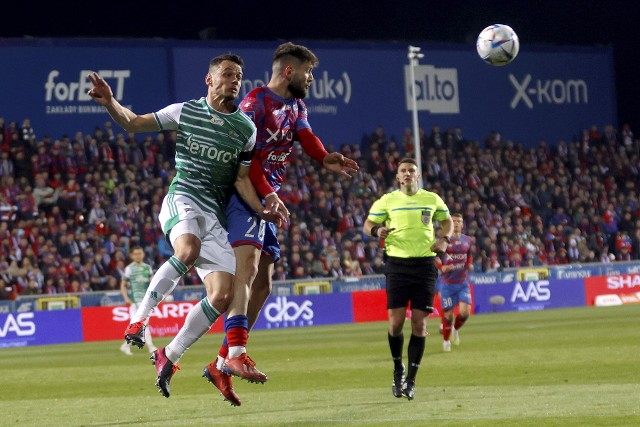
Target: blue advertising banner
573, 272
305, 310
547, 93
615, 269
484, 278
47, 83
40, 328
533, 295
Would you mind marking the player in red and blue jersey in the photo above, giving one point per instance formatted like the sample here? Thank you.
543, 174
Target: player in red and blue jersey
453, 282
280, 116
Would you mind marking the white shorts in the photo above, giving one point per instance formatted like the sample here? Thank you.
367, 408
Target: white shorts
180, 215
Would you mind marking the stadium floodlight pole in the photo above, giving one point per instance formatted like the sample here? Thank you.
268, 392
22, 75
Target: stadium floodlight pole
413, 55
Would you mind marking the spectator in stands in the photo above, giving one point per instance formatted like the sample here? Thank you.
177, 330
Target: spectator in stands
97, 215
572, 169
7, 209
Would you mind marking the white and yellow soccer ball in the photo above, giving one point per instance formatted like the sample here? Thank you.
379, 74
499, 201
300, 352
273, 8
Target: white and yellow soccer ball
498, 45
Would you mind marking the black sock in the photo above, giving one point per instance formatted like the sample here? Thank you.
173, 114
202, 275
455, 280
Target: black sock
415, 352
395, 344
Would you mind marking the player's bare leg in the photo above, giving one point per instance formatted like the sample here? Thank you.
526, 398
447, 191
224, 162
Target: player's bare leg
260, 289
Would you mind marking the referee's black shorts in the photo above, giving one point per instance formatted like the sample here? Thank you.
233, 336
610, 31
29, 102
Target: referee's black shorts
411, 280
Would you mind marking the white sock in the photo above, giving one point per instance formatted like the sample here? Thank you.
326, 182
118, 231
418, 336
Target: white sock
236, 351
219, 362
147, 337
162, 284
198, 321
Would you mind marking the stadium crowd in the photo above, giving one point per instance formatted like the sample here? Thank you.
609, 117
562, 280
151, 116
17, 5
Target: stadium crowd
72, 207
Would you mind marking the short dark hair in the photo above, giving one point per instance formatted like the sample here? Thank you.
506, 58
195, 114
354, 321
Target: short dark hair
457, 215
225, 57
408, 160
301, 53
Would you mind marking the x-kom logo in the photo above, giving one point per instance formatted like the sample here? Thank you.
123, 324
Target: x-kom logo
555, 91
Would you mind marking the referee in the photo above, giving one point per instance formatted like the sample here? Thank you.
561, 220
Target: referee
404, 218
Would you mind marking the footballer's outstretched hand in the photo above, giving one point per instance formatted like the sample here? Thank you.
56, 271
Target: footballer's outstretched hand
275, 210
278, 218
338, 163
273, 204
101, 91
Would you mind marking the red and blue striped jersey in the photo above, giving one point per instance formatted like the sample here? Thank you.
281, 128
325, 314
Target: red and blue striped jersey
458, 254
278, 120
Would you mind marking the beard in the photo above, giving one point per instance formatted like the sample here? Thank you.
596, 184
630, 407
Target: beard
297, 90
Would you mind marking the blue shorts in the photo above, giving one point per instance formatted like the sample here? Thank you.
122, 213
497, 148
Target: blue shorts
451, 295
246, 228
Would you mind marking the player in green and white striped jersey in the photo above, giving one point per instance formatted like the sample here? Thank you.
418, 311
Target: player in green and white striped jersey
133, 286
214, 143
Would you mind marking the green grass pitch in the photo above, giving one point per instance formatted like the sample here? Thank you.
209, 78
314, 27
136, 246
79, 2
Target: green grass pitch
564, 367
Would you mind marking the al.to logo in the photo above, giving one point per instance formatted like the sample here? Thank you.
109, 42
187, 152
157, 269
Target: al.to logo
556, 91
289, 313
21, 324
537, 291
436, 89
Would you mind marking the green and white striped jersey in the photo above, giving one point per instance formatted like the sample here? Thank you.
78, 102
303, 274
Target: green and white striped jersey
208, 147
138, 276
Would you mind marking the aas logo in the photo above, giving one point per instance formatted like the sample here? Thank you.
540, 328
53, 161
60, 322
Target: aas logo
537, 291
21, 324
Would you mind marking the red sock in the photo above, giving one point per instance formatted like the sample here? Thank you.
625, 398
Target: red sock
459, 322
224, 351
446, 328
237, 337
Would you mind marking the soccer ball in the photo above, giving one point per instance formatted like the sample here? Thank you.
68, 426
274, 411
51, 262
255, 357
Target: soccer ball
498, 45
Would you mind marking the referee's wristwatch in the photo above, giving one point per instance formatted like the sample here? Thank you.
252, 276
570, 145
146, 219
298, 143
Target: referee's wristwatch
446, 238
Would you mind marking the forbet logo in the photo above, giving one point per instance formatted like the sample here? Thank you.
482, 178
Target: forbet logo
436, 89
65, 90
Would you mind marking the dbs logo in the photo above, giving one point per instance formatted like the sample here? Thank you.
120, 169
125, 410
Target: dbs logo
283, 310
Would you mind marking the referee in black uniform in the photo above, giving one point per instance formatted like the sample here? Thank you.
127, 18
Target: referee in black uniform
404, 218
